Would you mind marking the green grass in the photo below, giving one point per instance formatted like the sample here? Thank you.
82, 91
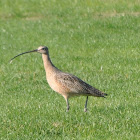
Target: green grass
98, 41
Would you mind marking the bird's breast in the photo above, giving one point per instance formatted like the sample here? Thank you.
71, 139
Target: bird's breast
51, 81
56, 85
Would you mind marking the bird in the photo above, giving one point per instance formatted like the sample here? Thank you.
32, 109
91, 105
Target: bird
66, 84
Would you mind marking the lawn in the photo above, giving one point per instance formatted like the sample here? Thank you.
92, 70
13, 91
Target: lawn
98, 41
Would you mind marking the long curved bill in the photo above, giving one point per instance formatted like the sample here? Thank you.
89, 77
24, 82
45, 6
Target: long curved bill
22, 54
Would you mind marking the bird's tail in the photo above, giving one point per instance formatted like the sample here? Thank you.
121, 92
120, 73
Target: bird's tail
99, 93
104, 95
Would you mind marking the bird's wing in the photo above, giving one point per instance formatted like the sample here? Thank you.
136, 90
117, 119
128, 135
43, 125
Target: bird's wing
76, 85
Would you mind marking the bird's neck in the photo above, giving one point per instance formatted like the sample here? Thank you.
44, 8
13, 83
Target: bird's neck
48, 65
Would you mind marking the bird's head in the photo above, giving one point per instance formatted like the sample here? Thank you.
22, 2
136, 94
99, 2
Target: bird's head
41, 49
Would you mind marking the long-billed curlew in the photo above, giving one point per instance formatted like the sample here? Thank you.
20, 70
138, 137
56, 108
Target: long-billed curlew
65, 84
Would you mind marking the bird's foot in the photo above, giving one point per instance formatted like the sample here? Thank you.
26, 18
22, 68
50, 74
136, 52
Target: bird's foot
68, 109
85, 109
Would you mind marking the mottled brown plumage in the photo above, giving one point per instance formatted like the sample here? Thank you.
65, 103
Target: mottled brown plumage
65, 84
76, 85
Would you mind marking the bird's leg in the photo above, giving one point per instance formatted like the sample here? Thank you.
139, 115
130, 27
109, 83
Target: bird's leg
67, 102
85, 109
